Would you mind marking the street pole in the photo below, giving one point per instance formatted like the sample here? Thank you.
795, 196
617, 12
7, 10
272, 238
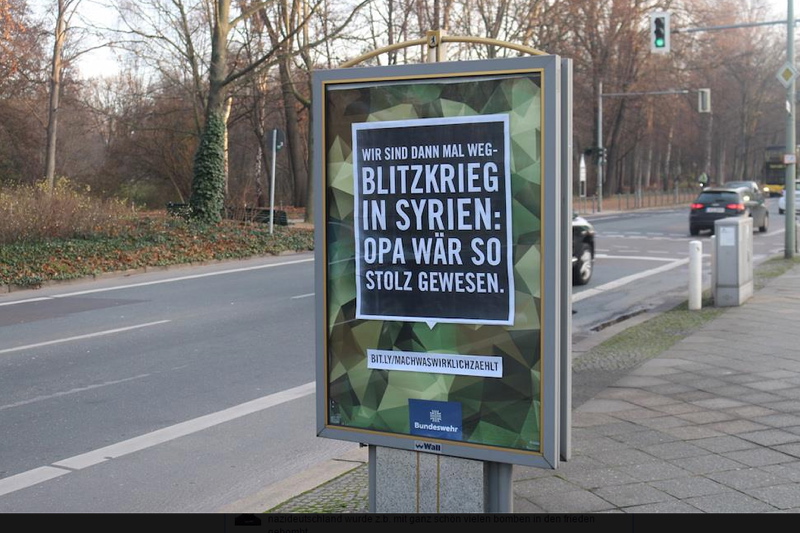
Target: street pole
272, 180
791, 166
600, 158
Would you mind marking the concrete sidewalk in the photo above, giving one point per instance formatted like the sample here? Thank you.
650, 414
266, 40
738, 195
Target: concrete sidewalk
712, 425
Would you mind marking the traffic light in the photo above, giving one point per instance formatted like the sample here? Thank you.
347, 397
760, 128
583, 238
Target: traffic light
659, 32
704, 100
278, 139
598, 153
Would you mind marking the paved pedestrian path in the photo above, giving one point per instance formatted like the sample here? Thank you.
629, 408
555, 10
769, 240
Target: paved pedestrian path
712, 425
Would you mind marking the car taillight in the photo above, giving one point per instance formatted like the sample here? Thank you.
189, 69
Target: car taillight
735, 207
697, 206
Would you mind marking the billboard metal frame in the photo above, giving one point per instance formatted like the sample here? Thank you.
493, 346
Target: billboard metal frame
555, 270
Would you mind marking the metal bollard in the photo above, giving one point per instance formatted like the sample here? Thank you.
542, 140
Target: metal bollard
695, 275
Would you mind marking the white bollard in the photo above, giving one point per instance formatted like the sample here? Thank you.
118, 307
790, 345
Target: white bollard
695, 275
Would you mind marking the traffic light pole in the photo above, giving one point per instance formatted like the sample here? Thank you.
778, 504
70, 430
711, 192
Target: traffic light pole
791, 104
600, 158
791, 164
790, 157
601, 152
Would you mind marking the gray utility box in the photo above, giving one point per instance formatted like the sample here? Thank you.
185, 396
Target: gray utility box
733, 261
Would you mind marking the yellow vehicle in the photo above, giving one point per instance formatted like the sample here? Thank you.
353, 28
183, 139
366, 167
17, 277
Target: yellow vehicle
774, 170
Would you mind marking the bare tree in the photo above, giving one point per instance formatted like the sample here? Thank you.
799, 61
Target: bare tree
63, 10
286, 22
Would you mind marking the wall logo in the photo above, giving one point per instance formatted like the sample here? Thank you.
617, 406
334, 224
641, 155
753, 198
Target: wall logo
430, 447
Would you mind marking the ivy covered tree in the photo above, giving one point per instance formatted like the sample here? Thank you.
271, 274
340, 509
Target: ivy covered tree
208, 187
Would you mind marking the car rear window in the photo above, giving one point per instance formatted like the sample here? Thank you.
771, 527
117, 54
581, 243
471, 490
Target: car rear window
718, 196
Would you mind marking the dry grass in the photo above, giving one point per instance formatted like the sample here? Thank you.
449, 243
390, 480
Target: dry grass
32, 214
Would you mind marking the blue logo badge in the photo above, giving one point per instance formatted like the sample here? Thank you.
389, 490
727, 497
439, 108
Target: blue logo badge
441, 420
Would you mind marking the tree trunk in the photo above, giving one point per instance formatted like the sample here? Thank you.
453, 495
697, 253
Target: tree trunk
227, 113
55, 93
208, 176
667, 171
293, 138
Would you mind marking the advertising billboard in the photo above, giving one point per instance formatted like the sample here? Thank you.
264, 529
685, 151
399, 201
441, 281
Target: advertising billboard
438, 247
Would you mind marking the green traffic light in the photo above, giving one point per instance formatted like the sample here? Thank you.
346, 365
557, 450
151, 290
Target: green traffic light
659, 32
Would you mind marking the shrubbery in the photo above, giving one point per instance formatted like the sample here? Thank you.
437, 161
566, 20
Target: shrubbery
69, 234
31, 214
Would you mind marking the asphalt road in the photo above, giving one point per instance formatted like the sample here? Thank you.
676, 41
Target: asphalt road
189, 389
178, 391
642, 264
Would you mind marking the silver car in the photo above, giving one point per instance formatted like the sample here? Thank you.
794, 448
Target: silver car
782, 199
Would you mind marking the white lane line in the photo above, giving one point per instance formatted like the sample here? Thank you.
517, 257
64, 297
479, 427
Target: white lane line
303, 296
71, 391
81, 337
184, 428
182, 278
158, 282
29, 478
628, 279
40, 299
148, 440
636, 257
45, 473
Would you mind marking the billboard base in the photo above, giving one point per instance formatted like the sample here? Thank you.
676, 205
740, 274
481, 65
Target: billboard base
403, 481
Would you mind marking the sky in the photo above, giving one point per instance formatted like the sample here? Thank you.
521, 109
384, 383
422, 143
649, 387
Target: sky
102, 62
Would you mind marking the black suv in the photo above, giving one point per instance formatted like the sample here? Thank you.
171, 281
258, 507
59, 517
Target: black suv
582, 250
714, 203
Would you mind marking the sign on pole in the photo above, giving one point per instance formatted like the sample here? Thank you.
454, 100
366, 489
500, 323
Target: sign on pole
440, 283
582, 178
786, 74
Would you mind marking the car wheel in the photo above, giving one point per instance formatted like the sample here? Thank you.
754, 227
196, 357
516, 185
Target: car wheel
582, 270
764, 224
693, 230
780, 211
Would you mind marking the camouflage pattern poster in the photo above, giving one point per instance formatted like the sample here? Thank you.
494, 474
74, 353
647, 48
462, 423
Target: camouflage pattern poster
432, 266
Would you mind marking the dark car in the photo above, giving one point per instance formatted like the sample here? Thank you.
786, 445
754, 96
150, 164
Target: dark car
582, 250
714, 203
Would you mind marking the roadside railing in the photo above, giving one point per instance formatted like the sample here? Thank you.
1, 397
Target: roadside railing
636, 200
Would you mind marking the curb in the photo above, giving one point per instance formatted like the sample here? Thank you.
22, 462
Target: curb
8, 289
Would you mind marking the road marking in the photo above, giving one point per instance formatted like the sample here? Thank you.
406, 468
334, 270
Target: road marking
628, 279
303, 296
669, 237
30, 478
635, 257
158, 282
41, 299
71, 391
81, 337
38, 475
183, 278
